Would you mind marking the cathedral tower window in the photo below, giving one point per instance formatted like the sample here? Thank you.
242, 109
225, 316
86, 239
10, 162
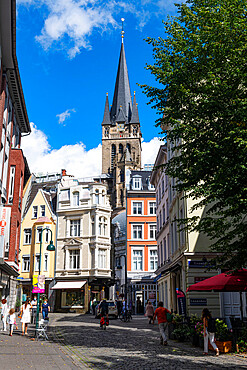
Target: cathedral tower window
113, 154
120, 148
128, 147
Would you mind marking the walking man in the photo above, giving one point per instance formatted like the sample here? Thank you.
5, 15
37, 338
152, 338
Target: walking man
160, 313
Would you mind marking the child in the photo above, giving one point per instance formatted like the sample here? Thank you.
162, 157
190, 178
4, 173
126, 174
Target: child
12, 321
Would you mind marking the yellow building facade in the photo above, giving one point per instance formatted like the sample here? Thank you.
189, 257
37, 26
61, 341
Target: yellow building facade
38, 215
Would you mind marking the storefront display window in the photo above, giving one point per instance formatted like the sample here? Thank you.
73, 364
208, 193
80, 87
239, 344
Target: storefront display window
73, 298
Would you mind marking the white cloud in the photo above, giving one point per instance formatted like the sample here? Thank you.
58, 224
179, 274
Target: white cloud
63, 116
74, 158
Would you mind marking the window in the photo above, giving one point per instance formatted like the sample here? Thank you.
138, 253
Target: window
152, 232
164, 214
152, 208
39, 230
100, 225
75, 227
76, 198
137, 183
120, 148
165, 250
102, 258
104, 226
160, 221
27, 236
136, 231
137, 208
113, 154
103, 197
46, 262
167, 210
47, 236
35, 211
42, 211
25, 263
11, 184
74, 259
153, 259
37, 262
64, 196
137, 260
163, 186
96, 196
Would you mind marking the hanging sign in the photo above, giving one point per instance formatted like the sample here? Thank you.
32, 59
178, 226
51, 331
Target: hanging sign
181, 302
38, 284
4, 231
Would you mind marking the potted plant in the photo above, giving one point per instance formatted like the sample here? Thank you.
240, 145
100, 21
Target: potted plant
17, 304
223, 337
182, 333
241, 343
193, 320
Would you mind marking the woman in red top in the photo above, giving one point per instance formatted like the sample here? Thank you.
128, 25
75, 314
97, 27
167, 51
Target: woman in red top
160, 313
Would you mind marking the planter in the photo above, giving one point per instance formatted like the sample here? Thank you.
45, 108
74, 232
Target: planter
195, 340
224, 347
201, 342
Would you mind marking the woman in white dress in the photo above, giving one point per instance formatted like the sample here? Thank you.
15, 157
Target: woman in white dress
4, 314
25, 316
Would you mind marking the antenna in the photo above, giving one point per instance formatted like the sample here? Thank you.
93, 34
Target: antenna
122, 32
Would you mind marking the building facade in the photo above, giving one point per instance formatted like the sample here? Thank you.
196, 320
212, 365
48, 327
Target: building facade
14, 170
121, 135
142, 257
83, 244
39, 203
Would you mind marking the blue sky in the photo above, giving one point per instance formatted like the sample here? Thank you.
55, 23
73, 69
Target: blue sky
68, 53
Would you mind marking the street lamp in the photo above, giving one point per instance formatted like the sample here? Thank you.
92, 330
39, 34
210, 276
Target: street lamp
119, 267
50, 247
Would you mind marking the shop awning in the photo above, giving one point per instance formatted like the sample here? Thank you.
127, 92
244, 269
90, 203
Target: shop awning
69, 284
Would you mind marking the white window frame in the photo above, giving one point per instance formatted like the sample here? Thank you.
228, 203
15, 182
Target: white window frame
142, 207
136, 183
35, 211
102, 256
11, 184
36, 264
38, 234
76, 198
96, 196
77, 259
155, 259
150, 226
46, 259
42, 210
28, 236
27, 256
132, 231
133, 249
47, 233
151, 207
75, 227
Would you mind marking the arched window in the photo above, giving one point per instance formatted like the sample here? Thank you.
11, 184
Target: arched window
120, 148
76, 198
128, 147
100, 225
93, 225
96, 196
104, 226
103, 197
113, 154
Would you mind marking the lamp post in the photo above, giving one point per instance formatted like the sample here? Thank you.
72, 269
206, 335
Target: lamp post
119, 267
50, 247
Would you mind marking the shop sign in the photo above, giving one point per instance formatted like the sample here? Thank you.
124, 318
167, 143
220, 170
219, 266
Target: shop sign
198, 301
151, 295
181, 302
38, 284
198, 264
4, 230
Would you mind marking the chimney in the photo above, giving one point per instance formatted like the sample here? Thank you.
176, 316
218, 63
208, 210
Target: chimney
64, 172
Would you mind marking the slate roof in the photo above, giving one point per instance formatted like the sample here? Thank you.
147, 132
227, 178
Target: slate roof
135, 114
106, 119
122, 94
50, 196
145, 175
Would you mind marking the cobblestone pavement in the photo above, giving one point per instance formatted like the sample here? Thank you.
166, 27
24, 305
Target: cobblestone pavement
20, 352
130, 346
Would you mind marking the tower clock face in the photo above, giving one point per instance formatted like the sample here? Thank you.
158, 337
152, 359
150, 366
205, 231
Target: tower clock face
120, 126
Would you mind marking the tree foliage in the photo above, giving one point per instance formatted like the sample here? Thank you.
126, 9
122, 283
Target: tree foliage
201, 67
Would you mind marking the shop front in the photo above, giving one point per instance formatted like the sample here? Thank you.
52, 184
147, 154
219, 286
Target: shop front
71, 296
141, 293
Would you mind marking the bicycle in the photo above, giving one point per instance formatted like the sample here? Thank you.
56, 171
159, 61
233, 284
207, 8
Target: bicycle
125, 316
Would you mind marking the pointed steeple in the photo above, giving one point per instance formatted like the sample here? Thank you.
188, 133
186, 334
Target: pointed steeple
121, 116
122, 89
135, 115
106, 119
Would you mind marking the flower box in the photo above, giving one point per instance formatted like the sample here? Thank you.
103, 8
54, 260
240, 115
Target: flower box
224, 347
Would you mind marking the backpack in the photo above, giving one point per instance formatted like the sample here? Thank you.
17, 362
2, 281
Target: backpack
168, 317
211, 325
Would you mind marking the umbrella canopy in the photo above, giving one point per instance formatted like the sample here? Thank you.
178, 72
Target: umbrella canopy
225, 282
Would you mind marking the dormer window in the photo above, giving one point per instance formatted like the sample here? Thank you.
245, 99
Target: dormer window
136, 183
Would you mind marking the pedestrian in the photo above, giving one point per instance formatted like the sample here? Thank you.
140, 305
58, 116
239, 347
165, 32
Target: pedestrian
45, 309
4, 313
34, 310
119, 307
209, 330
12, 321
160, 313
150, 312
25, 316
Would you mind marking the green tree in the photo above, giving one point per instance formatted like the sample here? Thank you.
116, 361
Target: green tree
201, 67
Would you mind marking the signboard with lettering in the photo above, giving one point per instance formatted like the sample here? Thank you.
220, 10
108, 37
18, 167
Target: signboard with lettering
5, 213
181, 302
38, 284
198, 301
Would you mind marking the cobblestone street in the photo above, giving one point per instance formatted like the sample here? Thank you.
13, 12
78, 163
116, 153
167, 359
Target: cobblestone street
133, 345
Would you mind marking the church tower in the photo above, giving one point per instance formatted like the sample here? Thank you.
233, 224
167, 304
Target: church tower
121, 135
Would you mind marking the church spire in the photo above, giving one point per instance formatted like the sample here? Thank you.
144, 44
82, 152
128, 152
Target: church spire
122, 96
135, 114
106, 119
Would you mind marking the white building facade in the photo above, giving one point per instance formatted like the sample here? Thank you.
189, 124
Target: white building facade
83, 244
